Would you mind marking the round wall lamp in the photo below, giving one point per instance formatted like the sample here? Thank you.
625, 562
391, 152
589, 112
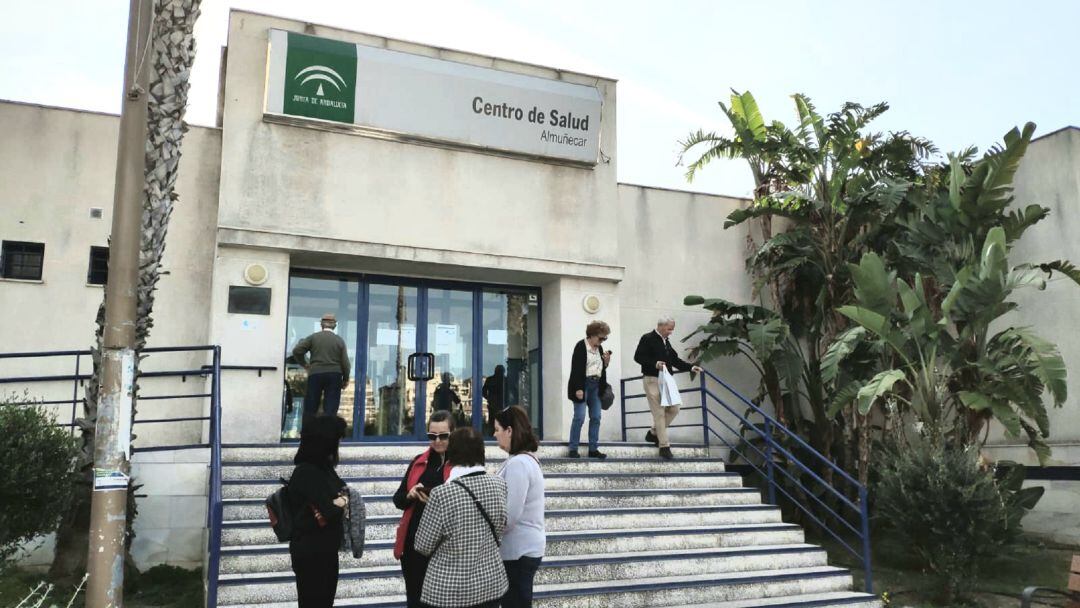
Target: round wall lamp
591, 304
256, 274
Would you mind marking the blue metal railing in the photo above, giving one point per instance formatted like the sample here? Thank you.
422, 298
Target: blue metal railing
772, 456
211, 372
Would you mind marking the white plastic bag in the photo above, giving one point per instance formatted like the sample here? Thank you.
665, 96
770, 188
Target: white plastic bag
669, 390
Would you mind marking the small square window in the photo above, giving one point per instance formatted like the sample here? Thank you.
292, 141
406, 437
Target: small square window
98, 273
249, 300
22, 260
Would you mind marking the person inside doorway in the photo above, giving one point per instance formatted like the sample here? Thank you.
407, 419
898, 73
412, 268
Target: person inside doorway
446, 399
654, 353
328, 369
494, 392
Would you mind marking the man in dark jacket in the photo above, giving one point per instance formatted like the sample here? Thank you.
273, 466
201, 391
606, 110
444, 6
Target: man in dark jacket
328, 370
653, 353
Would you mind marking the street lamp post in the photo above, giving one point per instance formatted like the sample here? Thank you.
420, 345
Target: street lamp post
112, 449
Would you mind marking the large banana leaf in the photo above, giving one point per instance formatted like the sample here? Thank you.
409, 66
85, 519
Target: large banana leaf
875, 287
879, 385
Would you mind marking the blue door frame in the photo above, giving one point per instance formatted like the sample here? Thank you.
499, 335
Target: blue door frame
422, 286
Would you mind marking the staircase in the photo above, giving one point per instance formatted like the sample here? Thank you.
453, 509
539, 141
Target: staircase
629, 531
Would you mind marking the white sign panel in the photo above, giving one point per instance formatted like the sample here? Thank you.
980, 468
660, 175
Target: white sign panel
431, 99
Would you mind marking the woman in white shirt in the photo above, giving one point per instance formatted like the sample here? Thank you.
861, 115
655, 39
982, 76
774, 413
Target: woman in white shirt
524, 540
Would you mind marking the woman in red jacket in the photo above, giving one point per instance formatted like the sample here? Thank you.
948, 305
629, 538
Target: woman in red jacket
425, 472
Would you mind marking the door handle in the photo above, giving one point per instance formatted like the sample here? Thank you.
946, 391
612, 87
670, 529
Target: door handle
421, 366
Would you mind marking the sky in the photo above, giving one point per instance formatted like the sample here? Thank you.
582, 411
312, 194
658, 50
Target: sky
960, 73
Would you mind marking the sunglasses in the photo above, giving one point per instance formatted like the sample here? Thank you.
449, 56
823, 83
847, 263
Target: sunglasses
438, 436
603, 338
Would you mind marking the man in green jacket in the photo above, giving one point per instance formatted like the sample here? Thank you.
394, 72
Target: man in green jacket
328, 369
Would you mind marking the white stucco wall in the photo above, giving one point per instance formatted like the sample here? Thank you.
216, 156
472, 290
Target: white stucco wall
56, 165
674, 244
1049, 176
427, 202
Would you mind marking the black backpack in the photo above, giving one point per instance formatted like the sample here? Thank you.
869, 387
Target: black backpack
280, 513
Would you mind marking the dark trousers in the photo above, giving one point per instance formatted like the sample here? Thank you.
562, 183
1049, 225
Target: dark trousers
520, 572
316, 578
413, 569
325, 386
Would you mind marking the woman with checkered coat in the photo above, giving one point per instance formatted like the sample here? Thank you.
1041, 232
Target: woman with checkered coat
462, 529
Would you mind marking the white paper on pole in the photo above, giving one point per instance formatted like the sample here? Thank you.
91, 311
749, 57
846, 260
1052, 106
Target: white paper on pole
123, 410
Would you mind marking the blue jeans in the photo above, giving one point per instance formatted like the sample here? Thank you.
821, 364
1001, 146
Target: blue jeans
520, 572
592, 398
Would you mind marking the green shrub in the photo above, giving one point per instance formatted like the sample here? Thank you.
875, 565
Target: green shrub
945, 508
37, 461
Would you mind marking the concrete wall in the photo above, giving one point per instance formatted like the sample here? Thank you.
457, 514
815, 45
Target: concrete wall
58, 164
674, 244
1050, 176
305, 182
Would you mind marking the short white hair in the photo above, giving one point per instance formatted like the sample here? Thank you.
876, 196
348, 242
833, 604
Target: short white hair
664, 320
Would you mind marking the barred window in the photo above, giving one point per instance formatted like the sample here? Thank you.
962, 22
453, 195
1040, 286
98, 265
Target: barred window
98, 272
22, 260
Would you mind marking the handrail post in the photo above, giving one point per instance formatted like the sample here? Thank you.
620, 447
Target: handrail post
769, 460
622, 406
75, 393
704, 411
214, 508
864, 513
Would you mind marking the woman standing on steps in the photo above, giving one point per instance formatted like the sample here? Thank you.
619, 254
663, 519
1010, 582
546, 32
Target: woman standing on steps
319, 498
524, 540
588, 378
426, 472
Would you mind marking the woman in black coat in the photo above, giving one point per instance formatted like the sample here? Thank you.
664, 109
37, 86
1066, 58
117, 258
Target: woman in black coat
588, 377
318, 499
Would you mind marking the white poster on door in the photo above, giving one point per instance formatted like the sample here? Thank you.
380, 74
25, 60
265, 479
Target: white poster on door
446, 337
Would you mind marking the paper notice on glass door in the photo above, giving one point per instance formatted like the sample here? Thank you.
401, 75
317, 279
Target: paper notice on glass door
446, 337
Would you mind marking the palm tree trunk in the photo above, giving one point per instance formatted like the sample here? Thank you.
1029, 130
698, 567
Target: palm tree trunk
172, 53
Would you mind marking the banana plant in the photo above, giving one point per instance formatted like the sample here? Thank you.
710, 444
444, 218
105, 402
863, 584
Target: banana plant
837, 185
948, 367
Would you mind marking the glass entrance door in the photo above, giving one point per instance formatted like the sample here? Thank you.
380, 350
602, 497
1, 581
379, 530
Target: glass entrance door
450, 338
389, 397
484, 341
310, 297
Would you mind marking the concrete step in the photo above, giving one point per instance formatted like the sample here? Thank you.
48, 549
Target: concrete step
832, 599
386, 486
275, 557
585, 499
396, 468
255, 508
258, 532
695, 589
584, 570
406, 451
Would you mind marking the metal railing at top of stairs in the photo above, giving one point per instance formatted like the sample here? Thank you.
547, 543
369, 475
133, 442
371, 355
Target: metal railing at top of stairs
769, 460
211, 371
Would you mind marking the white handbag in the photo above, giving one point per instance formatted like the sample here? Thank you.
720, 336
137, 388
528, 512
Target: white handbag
669, 390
